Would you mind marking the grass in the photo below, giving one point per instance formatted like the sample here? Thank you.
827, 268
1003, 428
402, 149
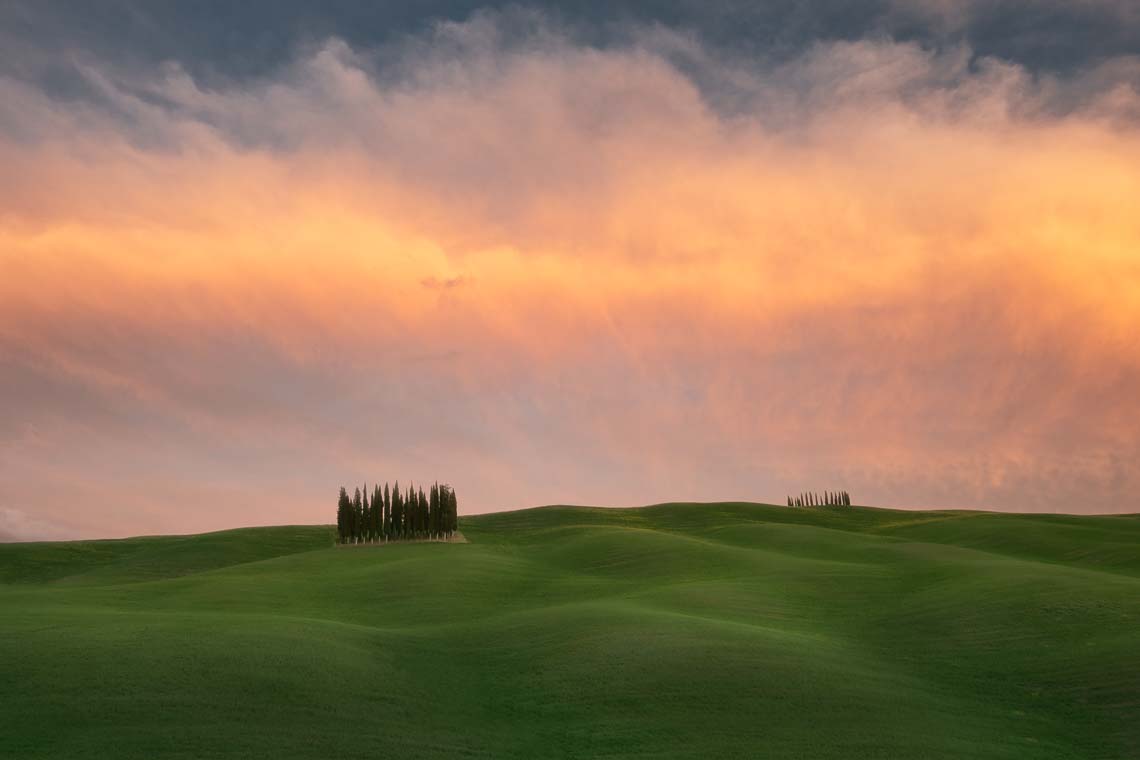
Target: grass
679, 630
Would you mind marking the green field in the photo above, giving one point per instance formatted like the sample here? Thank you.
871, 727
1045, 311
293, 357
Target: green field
679, 630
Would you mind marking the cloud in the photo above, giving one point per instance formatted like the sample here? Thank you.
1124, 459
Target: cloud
903, 270
16, 525
434, 283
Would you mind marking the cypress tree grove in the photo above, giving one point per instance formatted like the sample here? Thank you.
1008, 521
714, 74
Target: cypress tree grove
820, 499
390, 514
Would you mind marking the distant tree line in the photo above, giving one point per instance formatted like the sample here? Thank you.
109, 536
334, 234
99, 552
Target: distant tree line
395, 515
826, 499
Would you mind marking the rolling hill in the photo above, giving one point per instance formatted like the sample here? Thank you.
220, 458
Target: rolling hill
678, 630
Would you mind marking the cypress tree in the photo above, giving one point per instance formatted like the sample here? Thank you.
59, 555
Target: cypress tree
357, 516
453, 509
387, 512
367, 511
414, 500
416, 494
347, 518
409, 503
433, 510
378, 512
342, 507
423, 513
397, 512
351, 521
444, 510
410, 511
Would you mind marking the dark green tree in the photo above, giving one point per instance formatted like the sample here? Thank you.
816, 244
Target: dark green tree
433, 511
387, 513
452, 511
377, 513
397, 512
357, 516
424, 513
410, 511
367, 514
343, 505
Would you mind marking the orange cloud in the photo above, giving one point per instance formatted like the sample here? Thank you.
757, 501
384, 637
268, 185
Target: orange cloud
883, 269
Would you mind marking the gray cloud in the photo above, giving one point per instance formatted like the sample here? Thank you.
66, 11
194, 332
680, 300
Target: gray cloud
221, 42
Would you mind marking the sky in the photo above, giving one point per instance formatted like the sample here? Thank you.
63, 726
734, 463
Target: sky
606, 253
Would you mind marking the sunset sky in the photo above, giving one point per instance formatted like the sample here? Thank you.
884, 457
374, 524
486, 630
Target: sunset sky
599, 252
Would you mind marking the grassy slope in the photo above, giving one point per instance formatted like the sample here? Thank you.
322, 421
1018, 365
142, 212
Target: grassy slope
723, 630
